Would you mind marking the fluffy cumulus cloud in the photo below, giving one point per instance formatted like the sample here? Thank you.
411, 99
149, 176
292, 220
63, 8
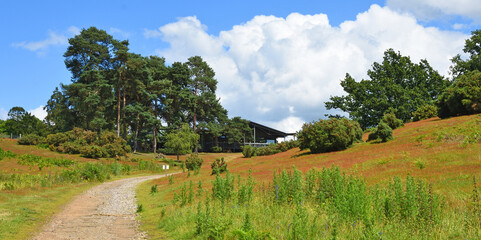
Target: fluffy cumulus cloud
53, 39
432, 9
280, 71
39, 112
3, 114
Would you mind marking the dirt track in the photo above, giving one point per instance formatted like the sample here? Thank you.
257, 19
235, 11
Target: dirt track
106, 211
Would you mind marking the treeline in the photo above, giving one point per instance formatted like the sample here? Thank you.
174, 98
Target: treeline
413, 91
398, 91
139, 98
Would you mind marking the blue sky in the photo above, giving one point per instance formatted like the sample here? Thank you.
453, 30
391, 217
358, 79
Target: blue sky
276, 61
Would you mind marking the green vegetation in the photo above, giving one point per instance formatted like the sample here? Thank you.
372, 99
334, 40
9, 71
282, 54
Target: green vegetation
193, 162
324, 204
250, 151
218, 166
396, 83
89, 144
181, 141
425, 112
463, 97
383, 133
329, 135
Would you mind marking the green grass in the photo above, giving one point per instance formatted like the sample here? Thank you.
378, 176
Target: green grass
443, 153
22, 213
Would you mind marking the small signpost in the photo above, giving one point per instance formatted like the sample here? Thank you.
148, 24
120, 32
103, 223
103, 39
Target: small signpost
165, 167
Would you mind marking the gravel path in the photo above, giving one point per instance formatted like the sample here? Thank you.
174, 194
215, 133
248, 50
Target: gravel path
106, 211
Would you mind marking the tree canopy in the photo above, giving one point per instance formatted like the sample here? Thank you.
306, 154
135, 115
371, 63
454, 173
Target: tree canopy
396, 85
141, 98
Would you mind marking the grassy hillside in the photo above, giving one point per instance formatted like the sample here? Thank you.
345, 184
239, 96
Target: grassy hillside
445, 154
35, 182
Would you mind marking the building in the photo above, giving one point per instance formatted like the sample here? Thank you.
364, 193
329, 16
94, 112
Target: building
261, 136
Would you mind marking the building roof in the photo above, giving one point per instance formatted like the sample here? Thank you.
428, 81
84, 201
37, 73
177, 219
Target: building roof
270, 132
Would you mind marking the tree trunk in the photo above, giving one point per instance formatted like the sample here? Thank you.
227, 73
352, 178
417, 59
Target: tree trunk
118, 103
136, 132
124, 130
155, 128
196, 150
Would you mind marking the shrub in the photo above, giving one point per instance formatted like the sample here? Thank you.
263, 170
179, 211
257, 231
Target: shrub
248, 151
463, 97
329, 135
6, 154
216, 149
268, 150
392, 121
218, 166
88, 143
193, 162
286, 145
94, 172
92, 151
70, 147
31, 139
383, 132
425, 112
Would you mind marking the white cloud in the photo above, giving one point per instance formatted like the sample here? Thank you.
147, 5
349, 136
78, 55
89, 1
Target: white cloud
269, 66
432, 9
118, 32
53, 39
39, 112
290, 124
3, 114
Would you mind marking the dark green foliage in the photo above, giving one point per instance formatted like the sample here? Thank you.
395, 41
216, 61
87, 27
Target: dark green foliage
216, 149
248, 151
31, 139
329, 135
181, 141
268, 150
218, 166
140, 208
21, 122
463, 97
92, 151
425, 112
471, 48
286, 145
237, 130
89, 144
395, 83
383, 133
392, 121
193, 162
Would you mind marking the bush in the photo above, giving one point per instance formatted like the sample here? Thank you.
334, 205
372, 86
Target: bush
216, 149
425, 112
286, 145
218, 166
92, 151
31, 139
383, 133
463, 97
392, 121
88, 143
268, 150
193, 162
329, 135
248, 151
